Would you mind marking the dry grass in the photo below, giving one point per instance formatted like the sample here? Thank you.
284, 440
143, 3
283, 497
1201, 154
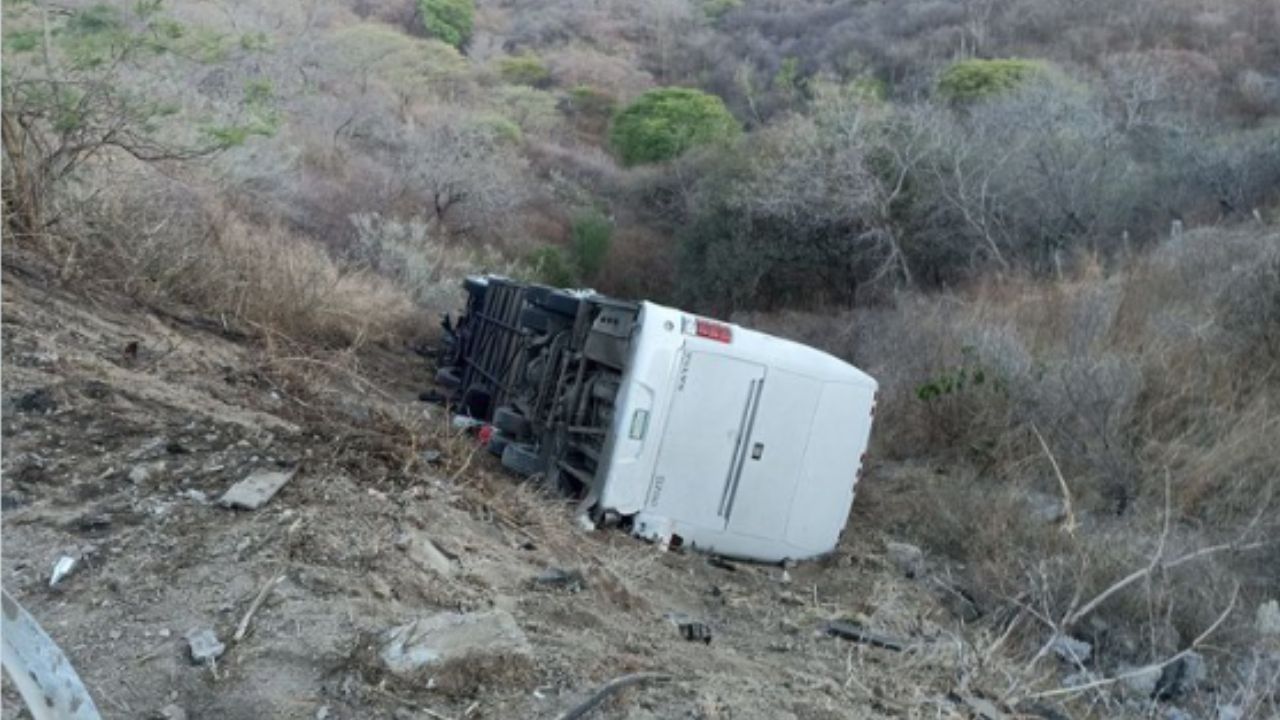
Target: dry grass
162, 241
1162, 375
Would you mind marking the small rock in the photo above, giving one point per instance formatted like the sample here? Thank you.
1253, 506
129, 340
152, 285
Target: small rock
908, 558
171, 712
1140, 682
1175, 713
1071, 650
164, 632
1268, 619
554, 577
430, 457
427, 555
205, 646
256, 490
379, 586
40, 400
322, 713
115, 634
1181, 677
445, 637
140, 474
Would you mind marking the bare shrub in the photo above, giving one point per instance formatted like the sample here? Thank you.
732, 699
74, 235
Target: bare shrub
165, 242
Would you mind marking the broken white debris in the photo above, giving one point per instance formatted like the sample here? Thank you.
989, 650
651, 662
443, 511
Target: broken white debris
205, 646
256, 490
62, 568
439, 639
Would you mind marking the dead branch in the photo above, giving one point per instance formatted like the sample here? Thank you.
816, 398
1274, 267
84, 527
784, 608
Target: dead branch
609, 688
1235, 593
849, 631
243, 627
1070, 527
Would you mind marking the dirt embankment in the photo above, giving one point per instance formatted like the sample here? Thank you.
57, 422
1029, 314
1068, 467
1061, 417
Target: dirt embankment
123, 425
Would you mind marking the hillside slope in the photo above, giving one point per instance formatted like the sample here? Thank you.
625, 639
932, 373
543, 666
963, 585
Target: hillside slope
120, 422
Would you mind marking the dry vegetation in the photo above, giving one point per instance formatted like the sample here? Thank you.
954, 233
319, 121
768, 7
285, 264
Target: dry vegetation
320, 174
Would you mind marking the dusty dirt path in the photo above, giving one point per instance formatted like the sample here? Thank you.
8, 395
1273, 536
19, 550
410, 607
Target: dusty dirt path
121, 424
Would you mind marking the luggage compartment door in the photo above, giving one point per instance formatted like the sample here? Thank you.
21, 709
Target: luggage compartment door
774, 457
708, 422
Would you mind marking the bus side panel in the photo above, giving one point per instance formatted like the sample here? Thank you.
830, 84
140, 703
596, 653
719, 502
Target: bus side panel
841, 428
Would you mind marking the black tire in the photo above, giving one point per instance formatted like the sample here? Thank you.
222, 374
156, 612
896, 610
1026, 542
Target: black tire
559, 302
448, 377
510, 422
498, 443
476, 402
522, 459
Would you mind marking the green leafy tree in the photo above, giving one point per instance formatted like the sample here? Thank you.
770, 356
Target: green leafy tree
592, 232
449, 20
663, 123
969, 80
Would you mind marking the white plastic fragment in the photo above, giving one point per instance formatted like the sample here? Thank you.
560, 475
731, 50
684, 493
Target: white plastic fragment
62, 568
256, 490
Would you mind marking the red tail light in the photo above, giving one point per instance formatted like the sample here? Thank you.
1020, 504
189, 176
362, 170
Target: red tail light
715, 331
708, 329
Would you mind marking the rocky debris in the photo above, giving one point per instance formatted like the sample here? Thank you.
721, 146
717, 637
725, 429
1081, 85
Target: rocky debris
204, 645
40, 401
425, 553
1139, 682
63, 567
908, 558
1071, 650
256, 490
322, 713
1181, 677
554, 577
141, 474
196, 496
172, 711
1230, 712
440, 639
1268, 619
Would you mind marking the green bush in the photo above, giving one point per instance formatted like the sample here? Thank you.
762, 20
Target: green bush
550, 266
591, 234
449, 20
968, 80
665, 122
524, 70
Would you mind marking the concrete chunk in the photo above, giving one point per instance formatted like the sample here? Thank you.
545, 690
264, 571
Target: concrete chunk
435, 641
256, 490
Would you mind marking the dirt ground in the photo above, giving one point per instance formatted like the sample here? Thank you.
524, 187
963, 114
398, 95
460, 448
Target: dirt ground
122, 425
